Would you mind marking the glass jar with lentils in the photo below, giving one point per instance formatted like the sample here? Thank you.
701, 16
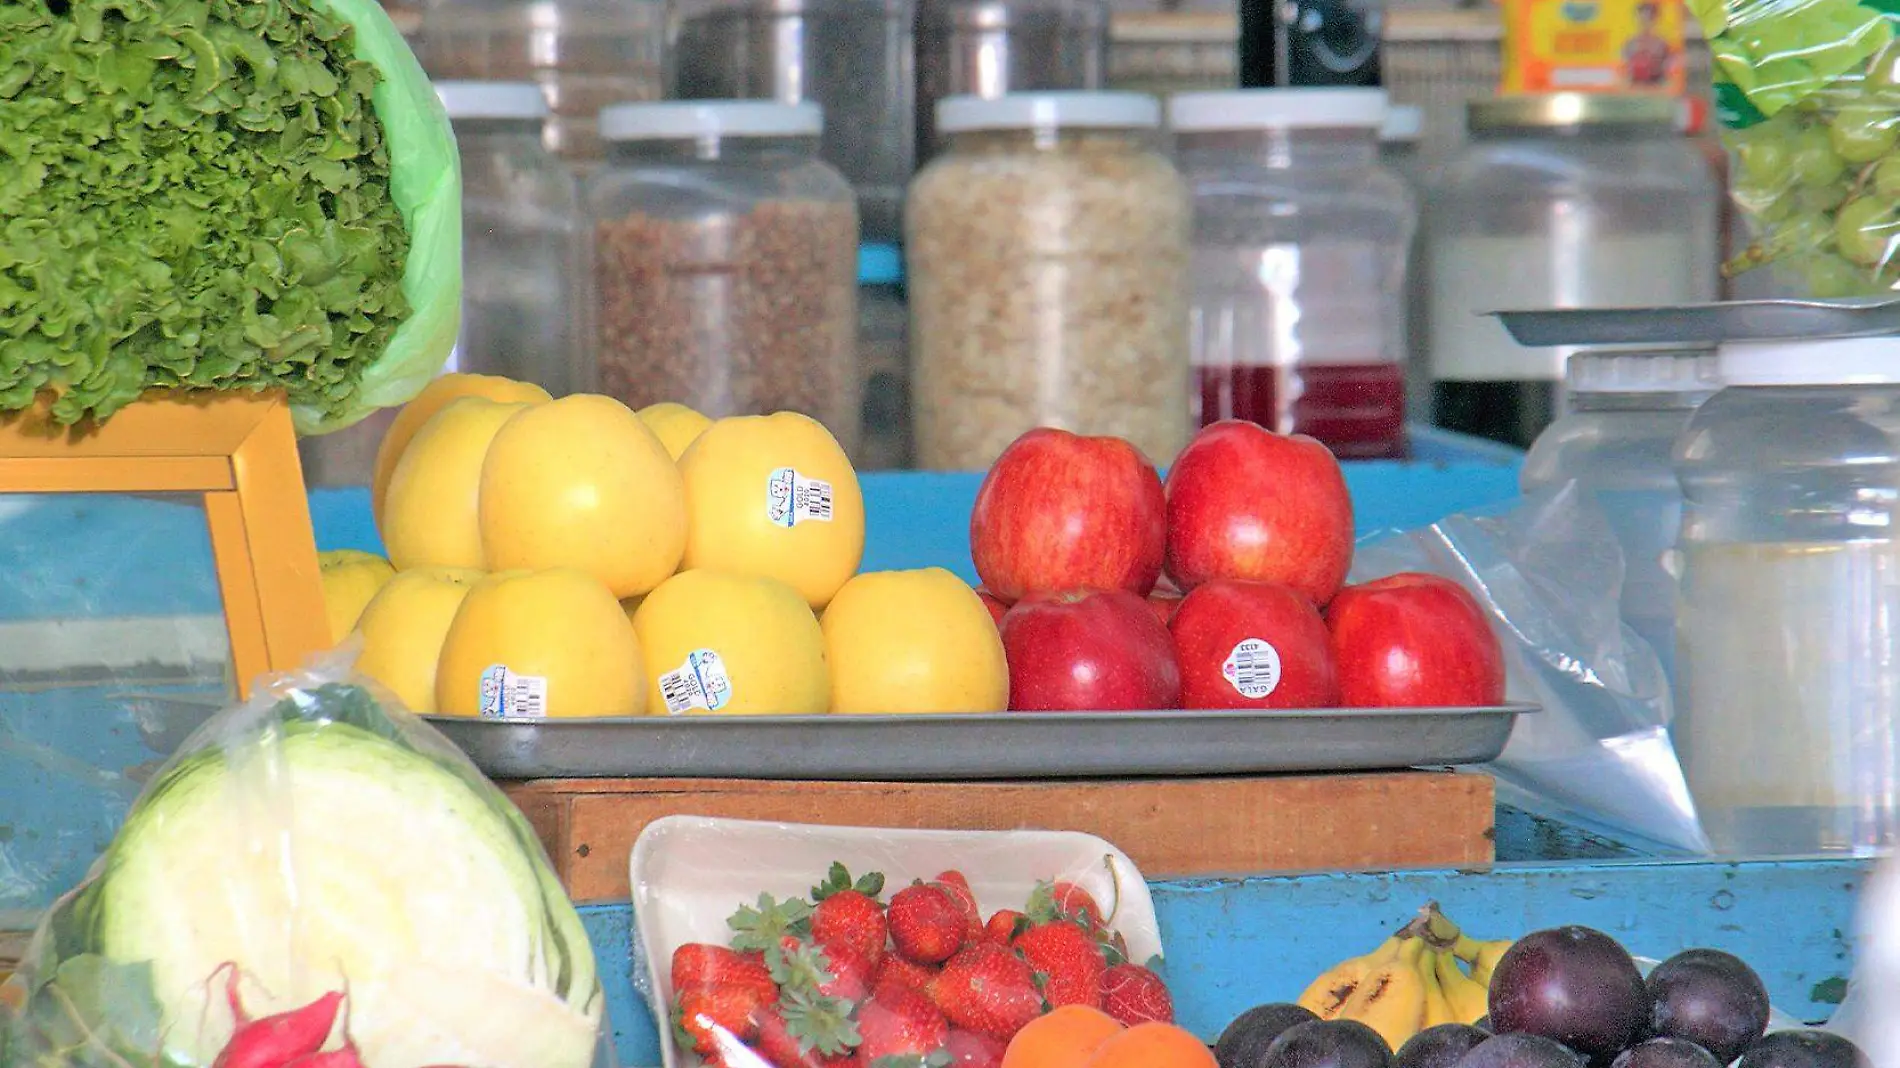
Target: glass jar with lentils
725, 258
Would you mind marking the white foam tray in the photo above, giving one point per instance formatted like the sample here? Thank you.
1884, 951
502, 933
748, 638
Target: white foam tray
689, 873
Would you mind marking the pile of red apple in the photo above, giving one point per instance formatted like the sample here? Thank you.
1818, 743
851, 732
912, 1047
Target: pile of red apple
1252, 534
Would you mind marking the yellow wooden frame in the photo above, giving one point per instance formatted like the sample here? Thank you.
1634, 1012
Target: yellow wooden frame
239, 451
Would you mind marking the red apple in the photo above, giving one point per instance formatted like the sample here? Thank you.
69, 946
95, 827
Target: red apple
1252, 645
1413, 640
1246, 503
1062, 512
1164, 605
996, 607
1088, 651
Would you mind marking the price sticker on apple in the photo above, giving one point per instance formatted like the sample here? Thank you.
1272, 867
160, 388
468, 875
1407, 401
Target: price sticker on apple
1253, 668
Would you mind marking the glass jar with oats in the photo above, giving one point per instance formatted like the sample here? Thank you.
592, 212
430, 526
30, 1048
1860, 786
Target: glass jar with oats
1047, 264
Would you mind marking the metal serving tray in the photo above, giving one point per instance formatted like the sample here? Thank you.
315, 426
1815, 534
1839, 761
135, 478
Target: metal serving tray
1705, 324
1003, 746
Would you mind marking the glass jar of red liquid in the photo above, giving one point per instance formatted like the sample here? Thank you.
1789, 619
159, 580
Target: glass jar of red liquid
1299, 259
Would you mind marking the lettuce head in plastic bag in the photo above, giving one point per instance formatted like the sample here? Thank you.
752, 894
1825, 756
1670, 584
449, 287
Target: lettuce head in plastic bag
320, 852
224, 195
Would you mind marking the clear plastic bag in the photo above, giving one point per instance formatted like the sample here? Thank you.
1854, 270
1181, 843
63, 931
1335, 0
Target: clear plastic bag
704, 888
1809, 98
1548, 569
315, 851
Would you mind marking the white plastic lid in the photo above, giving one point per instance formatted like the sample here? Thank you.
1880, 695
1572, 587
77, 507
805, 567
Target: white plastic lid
1403, 122
1262, 109
1686, 371
1031, 111
710, 118
1873, 361
492, 100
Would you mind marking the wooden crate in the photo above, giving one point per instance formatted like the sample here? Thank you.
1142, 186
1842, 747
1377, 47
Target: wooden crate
1169, 827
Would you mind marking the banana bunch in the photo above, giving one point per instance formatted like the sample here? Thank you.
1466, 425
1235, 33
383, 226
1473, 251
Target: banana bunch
1416, 979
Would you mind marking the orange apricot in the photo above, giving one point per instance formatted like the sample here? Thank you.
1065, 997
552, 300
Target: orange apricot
1153, 1045
1065, 1038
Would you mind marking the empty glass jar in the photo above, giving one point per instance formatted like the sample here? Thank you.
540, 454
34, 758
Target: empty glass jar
988, 48
850, 57
584, 54
522, 251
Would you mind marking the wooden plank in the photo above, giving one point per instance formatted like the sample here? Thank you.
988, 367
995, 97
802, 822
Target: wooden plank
162, 423
279, 542
1170, 827
108, 474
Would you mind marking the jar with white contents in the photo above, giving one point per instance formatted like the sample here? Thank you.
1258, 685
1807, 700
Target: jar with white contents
1047, 264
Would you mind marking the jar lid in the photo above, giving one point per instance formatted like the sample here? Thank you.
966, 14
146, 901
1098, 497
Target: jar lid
1404, 123
1871, 361
880, 265
1678, 371
492, 100
710, 118
1029, 111
1561, 110
1268, 109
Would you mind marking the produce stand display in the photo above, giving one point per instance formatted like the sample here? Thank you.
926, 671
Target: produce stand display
1386, 841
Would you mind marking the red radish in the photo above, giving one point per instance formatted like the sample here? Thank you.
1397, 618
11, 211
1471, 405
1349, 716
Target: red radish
336, 1058
277, 1040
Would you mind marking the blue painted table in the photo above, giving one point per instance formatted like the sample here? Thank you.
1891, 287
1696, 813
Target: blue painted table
1231, 943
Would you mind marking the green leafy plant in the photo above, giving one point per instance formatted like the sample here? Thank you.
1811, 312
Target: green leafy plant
193, 193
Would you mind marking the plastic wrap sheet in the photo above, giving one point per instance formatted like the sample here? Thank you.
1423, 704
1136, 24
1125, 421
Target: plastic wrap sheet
1549, 571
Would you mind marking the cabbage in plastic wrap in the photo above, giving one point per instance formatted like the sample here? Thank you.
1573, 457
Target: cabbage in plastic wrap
314, 842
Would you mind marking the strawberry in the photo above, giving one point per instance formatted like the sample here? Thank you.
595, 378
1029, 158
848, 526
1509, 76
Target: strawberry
959, 890
1132, 995
987, 989
757, 928
807, 1032
706, 1018
1070, 961
896, 1022
1064, 901
896, 971
927, 924
1004, 926
848, 912
968, 1049
850, 974
702, 964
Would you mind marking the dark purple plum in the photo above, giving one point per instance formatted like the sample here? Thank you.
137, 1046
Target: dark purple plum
1666, 1053
1438, 1047
1803, 1049
1328, 1044
1573, 985
1521, 1051
1711, 998
1244, 1043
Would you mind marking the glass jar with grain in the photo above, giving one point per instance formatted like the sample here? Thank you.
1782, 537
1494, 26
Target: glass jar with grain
1047, 266
725, 257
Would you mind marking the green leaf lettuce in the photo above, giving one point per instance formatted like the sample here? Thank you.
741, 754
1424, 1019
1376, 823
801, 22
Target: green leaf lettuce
221, 194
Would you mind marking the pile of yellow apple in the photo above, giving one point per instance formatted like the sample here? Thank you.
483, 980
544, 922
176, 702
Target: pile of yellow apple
574, 557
